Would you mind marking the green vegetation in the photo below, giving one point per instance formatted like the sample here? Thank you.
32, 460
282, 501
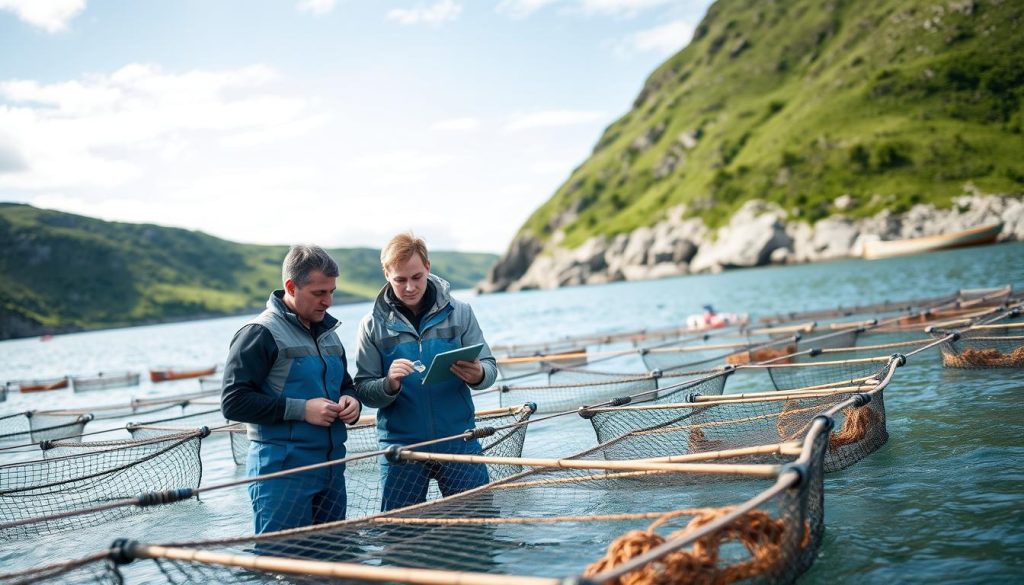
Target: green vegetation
64, 272
894, 102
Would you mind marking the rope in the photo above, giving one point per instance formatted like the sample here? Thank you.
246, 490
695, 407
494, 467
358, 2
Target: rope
855, 427
762, 536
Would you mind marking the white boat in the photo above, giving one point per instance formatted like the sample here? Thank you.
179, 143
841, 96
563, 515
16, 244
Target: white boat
104, 380
985, 234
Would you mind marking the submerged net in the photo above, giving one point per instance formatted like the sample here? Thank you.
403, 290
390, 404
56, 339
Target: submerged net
721, 424
983, 350
77, 475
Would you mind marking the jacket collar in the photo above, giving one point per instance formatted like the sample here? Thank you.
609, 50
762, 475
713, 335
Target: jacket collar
276, 304
442, 298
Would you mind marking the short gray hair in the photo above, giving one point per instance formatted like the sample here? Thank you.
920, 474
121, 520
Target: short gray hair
302, 260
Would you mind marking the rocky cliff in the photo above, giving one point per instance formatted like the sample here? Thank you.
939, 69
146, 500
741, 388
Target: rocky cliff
760, 233
792, 131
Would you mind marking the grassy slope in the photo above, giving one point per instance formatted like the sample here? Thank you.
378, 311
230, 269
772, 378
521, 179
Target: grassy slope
821, 99
69, 271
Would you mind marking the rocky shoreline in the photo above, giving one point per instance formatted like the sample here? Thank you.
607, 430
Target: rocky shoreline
758, 234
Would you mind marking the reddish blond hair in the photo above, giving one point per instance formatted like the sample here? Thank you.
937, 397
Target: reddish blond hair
401, 248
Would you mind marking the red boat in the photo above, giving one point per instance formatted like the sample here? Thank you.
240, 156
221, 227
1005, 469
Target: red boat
40, 385
167, 374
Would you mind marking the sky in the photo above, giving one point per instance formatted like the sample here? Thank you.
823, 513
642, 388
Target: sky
335, 122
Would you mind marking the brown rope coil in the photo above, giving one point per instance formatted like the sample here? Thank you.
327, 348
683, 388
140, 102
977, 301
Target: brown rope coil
762, 355
757, 531
984, 358
856, 423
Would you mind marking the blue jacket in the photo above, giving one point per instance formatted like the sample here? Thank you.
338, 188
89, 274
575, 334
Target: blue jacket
274, 366
419, 412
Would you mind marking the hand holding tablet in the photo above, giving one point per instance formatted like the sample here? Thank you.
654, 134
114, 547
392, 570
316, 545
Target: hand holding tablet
440, 368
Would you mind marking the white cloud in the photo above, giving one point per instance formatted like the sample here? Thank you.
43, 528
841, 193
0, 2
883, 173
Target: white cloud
98, 130
436, 14
553, 119
317, 7
49, 15
620, 7
393, 165
522, 8
665, 39
457, 124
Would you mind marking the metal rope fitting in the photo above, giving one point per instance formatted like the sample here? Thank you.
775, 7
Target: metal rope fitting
204, 431
814, 352
621, 400
692, 396
800, 469
656, 373
394, 454
585, 412
532, 406
899, 358
479, 433
504, 388
861, 399
121, 551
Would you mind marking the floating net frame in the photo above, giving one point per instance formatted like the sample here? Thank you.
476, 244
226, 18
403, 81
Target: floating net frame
746, 421
781, 522
970, 297
32, 426
982, 350
36, 496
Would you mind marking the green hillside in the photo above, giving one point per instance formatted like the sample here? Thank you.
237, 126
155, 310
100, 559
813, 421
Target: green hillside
64, 272
893, 102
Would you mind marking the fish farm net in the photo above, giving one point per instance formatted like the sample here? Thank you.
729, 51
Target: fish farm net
571, 389
623, 521
33, 426
721, 424
983, 349
363, 475
82, 475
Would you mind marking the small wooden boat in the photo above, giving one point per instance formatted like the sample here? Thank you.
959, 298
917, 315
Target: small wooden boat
39, 385
985, 234
167, 374
104, 380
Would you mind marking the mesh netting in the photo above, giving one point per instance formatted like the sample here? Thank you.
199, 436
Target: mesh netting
526, 525
80, 475
366, 486
715, 425
845, 366
984, 350
571, 389
174, 425
105, 380
34, 426
568, 389
95, 569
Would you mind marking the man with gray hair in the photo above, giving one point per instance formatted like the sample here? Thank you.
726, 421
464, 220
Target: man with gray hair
286, 377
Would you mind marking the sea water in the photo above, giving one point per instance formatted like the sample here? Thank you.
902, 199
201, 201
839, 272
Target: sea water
943, 500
